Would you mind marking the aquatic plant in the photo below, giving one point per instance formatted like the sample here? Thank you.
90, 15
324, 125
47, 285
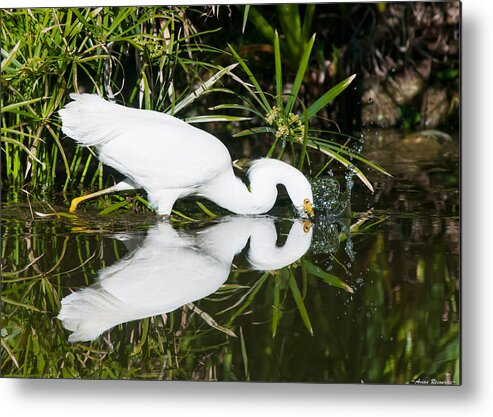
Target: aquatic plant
277, 113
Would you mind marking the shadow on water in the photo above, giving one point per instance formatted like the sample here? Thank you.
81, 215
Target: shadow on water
370, 296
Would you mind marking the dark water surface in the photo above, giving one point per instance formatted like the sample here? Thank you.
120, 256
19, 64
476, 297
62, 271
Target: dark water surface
372, 297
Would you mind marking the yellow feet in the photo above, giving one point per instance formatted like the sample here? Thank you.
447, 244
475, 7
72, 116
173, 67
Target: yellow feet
75, 202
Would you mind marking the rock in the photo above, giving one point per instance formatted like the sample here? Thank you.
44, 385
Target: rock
378, 108
434, 107
405, 86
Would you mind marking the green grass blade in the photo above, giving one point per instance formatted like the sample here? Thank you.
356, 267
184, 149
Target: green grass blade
15, 106
305, 139
359, 157
216, 118
206, 210
10, 56
326, 150
259, 91
251, 296
245, 17
23, 147
113, 207
325, 276
277, 57
60, 147
307, 20
260, 23
244, 355
300, 75
254, 131
329, 96
276, 307
202, 89
232, 106
289, 18
295, 291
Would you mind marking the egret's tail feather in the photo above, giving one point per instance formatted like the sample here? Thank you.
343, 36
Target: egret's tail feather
92, 121
88, 313
88, 118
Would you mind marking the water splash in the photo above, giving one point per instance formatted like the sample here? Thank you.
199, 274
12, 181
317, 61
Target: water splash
331, 203
326, 193
325, 239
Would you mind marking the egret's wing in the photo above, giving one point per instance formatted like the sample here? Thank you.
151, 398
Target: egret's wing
161, 156
93, 121
155, 150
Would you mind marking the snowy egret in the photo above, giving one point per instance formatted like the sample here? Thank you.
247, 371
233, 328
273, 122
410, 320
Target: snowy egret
171, 159
173, 267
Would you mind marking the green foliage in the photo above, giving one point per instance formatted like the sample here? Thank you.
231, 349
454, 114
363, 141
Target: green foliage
287, 127
144, 54
151, 57
295, 30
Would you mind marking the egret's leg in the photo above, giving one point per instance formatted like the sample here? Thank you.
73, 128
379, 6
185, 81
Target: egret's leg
121, 186
163, 200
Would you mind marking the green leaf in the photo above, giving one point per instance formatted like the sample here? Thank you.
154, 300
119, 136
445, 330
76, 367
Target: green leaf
337, 148
300, 75
233, 106
244, 355
10, 56
326, 150
209, 320
250, 296
305, 139
330, 95
24, 148
113, 207
276, 310
245, 17
15, 106
261, 24
202, 89
206, 210
299, 302
215, 118
253, 131
325, 276
277, 57
307, 20
263, 100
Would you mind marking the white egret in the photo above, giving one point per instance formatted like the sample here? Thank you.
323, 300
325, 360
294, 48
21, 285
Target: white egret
173, 267
171, 159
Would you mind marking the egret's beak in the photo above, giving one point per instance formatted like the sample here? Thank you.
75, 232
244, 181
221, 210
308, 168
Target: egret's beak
308, 209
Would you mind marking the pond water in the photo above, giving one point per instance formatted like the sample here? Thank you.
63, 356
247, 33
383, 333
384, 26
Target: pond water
369, 297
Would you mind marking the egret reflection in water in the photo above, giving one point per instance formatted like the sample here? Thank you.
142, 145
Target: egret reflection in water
171, 268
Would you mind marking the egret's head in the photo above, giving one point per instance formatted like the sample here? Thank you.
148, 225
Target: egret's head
303, 203
300, 192
265, 172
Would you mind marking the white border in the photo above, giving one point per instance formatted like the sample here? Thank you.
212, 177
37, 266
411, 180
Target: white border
94, 398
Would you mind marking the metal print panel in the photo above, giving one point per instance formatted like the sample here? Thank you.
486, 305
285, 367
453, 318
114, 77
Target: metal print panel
264, 193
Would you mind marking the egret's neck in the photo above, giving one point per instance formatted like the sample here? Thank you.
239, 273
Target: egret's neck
230, 192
